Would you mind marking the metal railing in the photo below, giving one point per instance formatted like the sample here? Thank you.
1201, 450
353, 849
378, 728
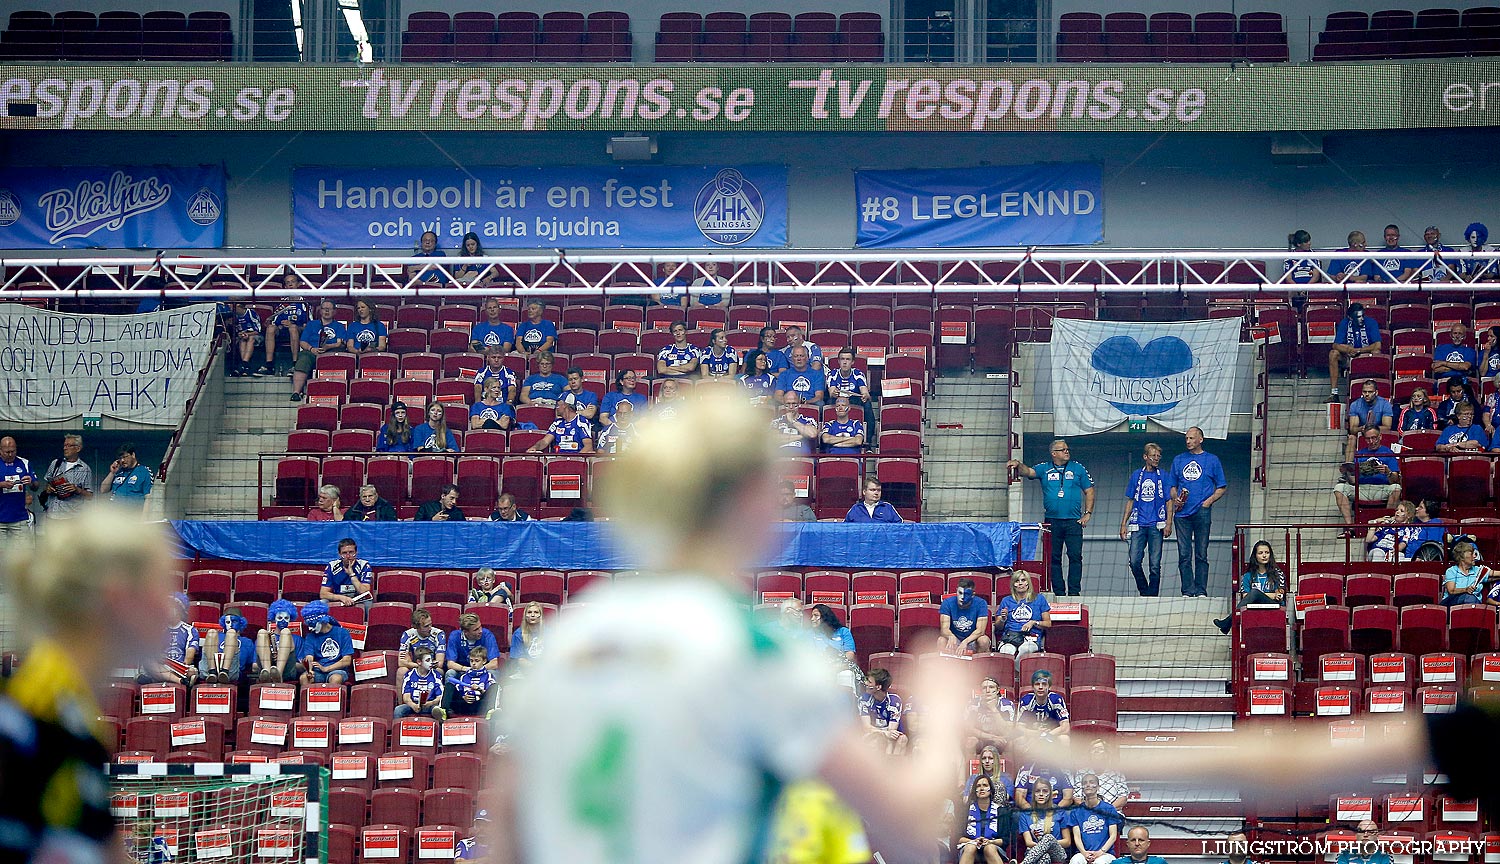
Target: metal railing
941, 273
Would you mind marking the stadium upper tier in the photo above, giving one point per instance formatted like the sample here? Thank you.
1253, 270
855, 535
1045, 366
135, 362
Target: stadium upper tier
784, 34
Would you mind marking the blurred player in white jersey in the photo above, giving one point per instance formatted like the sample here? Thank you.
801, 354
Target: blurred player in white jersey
664, 718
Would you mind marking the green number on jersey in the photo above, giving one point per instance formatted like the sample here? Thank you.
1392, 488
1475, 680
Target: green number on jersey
600, 789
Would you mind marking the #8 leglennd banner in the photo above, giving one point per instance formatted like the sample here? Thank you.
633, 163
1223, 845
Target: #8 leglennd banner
112, 207
58, 366
1180, 375
1019, 205
541, 208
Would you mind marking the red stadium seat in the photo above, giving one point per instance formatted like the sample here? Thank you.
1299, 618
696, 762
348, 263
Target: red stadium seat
916, 626
478, 484
1091, 670
1366, 589
446, 586
1090, 703
372, 700
396, 806
300, 586
261, 586
1409, 589
384, 842
448, 806
456, 771
870, 581
777, 582
1423, 629
1324, 629
1029, 665
210, 586
1372, 629
1472, 629
873, 627
388, 620
542, 586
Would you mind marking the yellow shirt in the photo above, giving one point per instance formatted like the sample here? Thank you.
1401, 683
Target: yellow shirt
813, 826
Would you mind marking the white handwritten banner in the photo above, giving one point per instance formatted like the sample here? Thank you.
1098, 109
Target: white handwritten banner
112, 208
1180, 375
57, 366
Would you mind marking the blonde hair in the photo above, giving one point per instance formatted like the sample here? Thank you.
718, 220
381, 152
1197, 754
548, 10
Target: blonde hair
1030, 582
59, 581
528, 630
681, 478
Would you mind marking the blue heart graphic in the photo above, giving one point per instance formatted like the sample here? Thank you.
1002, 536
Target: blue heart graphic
1123, 357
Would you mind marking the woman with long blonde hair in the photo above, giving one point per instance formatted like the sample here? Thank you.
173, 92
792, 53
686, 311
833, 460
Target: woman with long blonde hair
631, 740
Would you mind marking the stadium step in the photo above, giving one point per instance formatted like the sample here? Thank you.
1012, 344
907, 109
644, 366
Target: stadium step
1176, 721
255, 419
967, 438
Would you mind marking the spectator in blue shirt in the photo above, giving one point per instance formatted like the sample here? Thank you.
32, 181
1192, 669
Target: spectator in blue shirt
462, 642
536, 333
964, 621
1356, 269
848, 381
843, 434
583, 398
422, 688
988, 826
546, 386
1144, 524
395, 435
796, 338
434, 435
16, 479
1459, 394
1434, 268
1434, 530
1372, 475
870, 508
1023, 617
838, 639
1095, 823
474, 689
1392, 267
324, 336
469, 247
1464, 581
1463, 435
494, 367
1197, 482
757, 378
810, 383
128, 481
719, 360
1138, 841
709, 279
794, 431
492, 332
427, 247
491, 412
1454, 357
624, 391
347, 578
327, 650
672, 277
290, 316
245, 329
1369, 411
680, 358
569, 433
1357, 334
1300, 270
366, 332
526, 641
880, 711
1068, 504
776, 359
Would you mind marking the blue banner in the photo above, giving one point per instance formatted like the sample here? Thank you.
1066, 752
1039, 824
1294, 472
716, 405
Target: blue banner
1017, 205
112, 208
647, 206
589, 545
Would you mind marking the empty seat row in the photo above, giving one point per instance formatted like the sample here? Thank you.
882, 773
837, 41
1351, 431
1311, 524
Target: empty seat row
117, 35
1399, 33
512, 37
810, 37
1171, 36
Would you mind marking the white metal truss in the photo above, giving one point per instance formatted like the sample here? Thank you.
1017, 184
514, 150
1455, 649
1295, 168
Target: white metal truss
1029, 272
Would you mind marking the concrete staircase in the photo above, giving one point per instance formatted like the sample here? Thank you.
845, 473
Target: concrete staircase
1171, 666
1302, 467
966, 443
255, 418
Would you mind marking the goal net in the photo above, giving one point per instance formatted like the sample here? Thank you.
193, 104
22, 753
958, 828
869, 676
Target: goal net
226, 814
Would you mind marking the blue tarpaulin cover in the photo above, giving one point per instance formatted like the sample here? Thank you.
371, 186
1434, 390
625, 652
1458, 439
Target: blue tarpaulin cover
590, 545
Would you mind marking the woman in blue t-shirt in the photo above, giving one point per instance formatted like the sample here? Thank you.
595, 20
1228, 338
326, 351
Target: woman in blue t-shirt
1026, 616
624, 391
366, 332
526, 642
757, 378
395, 435
1044, 825
1464, 581
433, 435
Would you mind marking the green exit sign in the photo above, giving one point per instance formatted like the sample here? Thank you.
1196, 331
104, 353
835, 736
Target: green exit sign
93, 422
1138, 424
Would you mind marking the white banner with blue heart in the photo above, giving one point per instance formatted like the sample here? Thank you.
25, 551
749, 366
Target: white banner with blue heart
1180, 375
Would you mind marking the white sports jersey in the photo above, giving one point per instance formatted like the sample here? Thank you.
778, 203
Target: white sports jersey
659, 725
